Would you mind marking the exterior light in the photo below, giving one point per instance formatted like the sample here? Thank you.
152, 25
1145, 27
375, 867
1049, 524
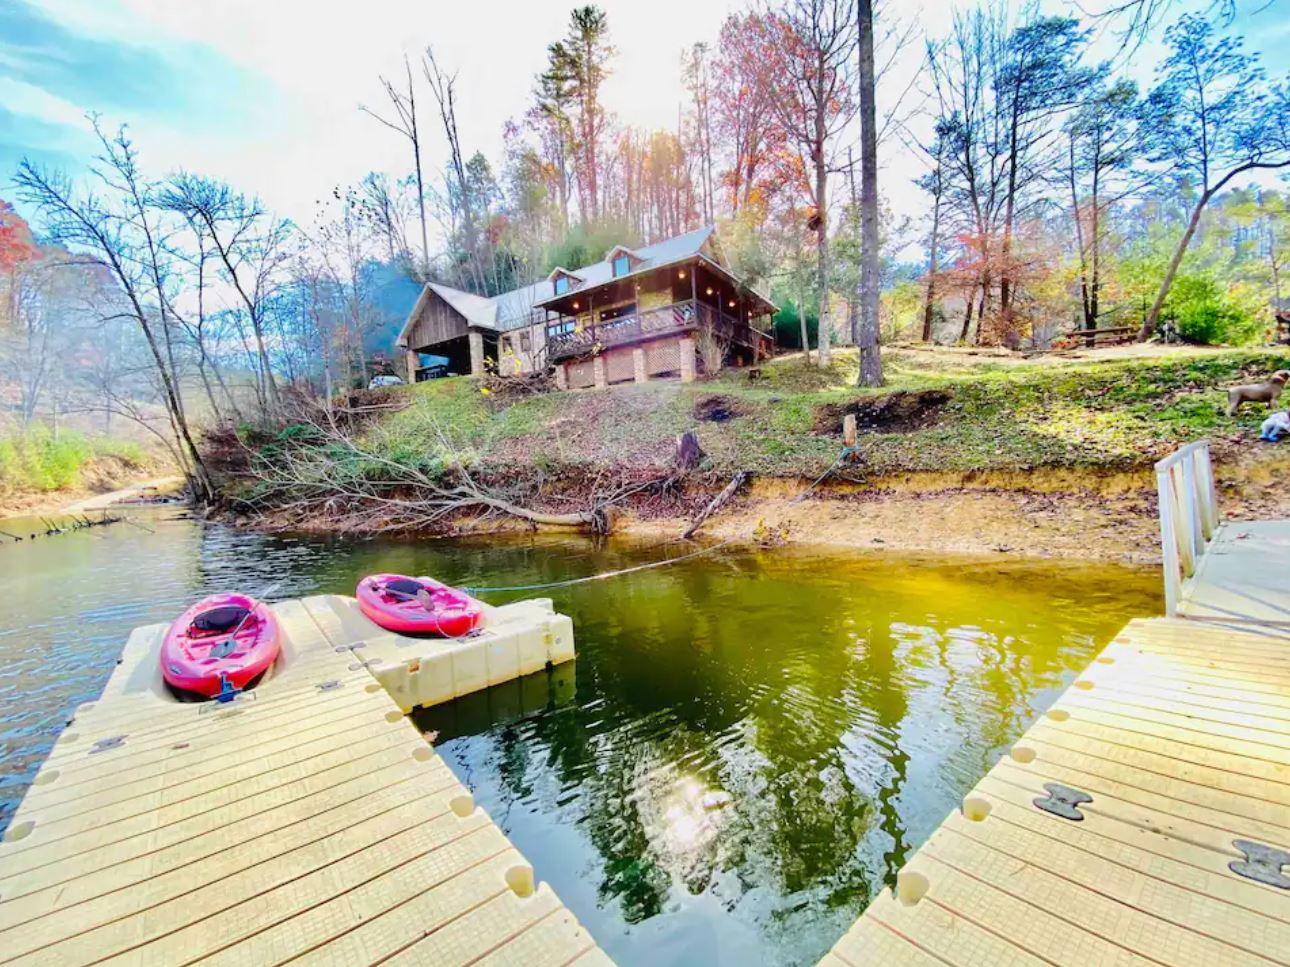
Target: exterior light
575, 305
731, 303
708, 290
681, 274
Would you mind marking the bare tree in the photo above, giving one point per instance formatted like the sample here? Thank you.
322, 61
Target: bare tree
1103, 142
119, 229
405, 123
813, 79
251, 245
461, 195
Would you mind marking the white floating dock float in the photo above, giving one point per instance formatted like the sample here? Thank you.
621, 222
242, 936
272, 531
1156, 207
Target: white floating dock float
308, 820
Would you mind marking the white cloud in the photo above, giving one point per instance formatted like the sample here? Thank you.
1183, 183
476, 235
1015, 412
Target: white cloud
35, 102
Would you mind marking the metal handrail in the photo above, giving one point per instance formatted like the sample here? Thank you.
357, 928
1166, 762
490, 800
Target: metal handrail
1188, 516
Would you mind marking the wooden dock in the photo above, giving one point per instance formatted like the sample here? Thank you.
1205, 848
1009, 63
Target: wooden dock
307, 821
1145, 818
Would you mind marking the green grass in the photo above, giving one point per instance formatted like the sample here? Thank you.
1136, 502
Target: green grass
38, 460
1115, 414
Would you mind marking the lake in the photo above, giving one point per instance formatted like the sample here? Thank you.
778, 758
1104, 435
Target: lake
747, 747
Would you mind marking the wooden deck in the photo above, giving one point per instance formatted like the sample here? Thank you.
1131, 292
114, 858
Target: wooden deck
1178, 735
306, 821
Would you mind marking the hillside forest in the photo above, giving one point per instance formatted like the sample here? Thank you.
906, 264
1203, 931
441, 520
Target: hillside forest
1064, 183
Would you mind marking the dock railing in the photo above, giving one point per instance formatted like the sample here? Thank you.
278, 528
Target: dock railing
1188, 516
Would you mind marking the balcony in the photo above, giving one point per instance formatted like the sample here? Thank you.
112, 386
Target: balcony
663, 320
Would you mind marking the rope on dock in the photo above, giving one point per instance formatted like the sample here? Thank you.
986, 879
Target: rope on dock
842, 457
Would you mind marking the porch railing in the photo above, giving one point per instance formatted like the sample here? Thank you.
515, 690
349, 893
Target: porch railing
1188, 516
678, 317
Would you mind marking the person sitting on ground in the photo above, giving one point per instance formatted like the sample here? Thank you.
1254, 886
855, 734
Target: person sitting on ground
1275, 426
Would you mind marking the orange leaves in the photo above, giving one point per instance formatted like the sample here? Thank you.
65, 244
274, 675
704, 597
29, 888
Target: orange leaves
16, 243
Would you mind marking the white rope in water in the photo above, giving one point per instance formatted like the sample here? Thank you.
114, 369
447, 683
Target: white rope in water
711, 549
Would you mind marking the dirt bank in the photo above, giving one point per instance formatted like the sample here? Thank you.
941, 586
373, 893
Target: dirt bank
961, 522
1094, 516
103, 481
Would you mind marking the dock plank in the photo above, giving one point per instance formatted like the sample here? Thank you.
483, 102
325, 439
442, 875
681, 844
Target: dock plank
304, 819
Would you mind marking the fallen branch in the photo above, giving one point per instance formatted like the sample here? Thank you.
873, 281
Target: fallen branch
717, 502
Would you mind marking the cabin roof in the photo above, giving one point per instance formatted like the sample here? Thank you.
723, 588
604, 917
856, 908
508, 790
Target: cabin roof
475, 309
655, 256
512, 309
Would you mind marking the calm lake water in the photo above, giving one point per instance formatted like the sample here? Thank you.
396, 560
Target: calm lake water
843, 704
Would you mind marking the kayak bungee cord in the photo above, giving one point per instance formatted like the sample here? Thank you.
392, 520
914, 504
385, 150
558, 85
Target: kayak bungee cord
711, 549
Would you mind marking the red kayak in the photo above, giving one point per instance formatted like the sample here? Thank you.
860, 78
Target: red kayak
226, 638
418, 605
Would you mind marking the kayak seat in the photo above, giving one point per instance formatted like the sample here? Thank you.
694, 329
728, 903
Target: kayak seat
217, 621
404, 586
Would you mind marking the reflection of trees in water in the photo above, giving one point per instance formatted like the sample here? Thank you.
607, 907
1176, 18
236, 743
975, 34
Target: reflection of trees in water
844, 712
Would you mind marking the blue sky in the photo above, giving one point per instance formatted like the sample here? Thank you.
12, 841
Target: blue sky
52, 73
265, 93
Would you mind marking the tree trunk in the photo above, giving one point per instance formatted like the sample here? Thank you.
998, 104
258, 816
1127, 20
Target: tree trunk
1085, 308
801, 318
933, 264
1149, 323
870, 361
967, 315
1095, 284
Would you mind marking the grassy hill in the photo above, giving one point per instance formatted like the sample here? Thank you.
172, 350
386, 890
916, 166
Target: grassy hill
941, 411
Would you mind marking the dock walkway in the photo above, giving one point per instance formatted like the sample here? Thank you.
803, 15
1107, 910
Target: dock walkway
307, 821
1145, 817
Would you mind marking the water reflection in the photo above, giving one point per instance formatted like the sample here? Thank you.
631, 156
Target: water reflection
746, 748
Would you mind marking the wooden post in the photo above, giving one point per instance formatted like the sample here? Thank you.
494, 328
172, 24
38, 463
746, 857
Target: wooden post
849, 430
1209, 494
1195, 519
1168, 541
1182, 521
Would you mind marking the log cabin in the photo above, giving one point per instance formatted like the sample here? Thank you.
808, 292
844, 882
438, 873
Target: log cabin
670, 310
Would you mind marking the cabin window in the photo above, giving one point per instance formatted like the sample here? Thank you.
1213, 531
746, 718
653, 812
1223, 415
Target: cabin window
526, 342
622, 265
560, 328
561, 284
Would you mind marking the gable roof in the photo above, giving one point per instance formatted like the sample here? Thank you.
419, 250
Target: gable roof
475, 309
654, 256
510, 310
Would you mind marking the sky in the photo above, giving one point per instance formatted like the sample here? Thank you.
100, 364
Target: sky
266, 94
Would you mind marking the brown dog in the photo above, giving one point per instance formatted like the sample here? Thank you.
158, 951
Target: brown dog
1257, 392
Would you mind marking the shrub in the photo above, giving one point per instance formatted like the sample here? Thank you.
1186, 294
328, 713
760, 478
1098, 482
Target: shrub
35, 459
1204, 313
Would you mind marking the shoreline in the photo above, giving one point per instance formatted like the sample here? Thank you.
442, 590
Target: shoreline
1102, 516
84, 499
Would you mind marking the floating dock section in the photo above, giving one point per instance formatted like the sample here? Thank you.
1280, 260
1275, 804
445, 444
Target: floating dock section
306, 821
1145, 817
